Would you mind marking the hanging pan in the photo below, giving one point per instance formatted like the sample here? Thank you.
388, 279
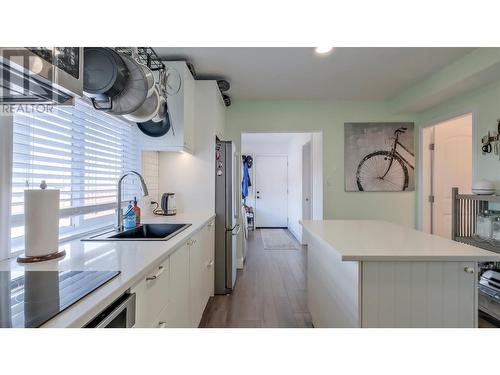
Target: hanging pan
153, 128
135, 92
105, 75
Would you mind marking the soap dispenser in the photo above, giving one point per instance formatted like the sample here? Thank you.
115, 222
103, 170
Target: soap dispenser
129, 220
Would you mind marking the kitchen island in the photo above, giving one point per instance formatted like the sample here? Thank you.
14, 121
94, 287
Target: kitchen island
369, 273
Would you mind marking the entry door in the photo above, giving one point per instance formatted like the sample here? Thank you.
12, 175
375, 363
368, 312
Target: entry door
452, 168
271, 196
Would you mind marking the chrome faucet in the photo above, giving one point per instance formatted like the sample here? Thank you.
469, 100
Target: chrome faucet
119, 215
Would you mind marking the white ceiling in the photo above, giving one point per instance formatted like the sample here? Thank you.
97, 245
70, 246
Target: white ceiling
298, 73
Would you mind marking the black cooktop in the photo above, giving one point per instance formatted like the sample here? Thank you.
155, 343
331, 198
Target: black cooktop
31, 298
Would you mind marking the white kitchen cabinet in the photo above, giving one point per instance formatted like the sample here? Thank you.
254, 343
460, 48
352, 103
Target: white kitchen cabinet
371, 274
201, 275
198, 297
151, 295
419, 294
175, 293
209, 250
181, 109
178, 313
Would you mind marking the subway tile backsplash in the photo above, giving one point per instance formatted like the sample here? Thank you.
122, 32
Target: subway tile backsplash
150, 173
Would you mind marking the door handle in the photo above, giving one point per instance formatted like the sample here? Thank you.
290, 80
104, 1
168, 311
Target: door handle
156, 275
469, 269
238, 230
210, 264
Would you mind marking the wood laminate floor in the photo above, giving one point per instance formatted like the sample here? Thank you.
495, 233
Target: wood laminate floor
270, 291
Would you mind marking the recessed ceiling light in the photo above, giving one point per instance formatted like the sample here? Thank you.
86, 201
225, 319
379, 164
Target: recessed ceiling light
323, 50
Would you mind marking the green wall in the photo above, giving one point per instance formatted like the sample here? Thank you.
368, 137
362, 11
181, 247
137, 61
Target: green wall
484, 103
328, 117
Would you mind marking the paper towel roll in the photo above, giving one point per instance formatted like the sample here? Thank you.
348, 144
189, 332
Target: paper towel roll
41, 222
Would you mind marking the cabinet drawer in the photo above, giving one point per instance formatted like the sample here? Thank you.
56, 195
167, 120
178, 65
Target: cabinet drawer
161, 319
152, 295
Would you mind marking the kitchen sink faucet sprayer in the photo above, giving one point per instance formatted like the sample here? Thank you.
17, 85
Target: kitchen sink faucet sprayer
119, 215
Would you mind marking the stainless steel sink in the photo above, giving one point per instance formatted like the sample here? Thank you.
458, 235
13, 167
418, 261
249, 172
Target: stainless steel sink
145, 232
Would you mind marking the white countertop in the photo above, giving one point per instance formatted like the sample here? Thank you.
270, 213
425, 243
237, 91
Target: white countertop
134, 259
375, 240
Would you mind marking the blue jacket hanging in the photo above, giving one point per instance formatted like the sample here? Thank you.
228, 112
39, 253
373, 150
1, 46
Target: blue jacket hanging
245, 181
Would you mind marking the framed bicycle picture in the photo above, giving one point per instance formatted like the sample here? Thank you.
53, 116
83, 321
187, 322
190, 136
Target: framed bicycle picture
379, 156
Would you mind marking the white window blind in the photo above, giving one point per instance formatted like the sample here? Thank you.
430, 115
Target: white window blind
80, 151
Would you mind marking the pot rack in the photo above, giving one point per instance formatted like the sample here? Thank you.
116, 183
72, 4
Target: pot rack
143, 55
149, 57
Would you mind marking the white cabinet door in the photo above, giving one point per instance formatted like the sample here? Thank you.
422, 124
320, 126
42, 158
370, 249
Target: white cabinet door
271, 191
419, 294
197, 287
151, 295
209, 246
178, 314
181, 108
201, 271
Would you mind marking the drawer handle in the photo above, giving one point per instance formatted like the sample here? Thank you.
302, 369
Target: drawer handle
156, 275
210, 264
469, 269
162, 324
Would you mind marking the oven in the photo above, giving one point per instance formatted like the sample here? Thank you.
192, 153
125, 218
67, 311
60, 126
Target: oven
120, 314
489, 294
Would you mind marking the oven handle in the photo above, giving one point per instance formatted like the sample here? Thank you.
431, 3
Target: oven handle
128, 304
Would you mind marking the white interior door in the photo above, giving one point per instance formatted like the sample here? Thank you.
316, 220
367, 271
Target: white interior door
271, 189
452, 168
306, 182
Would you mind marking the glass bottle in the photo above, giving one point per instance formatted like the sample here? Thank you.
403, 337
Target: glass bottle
484, 225
496, 229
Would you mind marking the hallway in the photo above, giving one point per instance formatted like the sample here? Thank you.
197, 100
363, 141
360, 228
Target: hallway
270, 292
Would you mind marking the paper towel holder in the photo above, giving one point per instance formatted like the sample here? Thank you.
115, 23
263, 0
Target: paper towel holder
41, 258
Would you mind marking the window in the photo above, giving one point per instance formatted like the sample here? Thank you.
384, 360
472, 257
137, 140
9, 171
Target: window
80, 151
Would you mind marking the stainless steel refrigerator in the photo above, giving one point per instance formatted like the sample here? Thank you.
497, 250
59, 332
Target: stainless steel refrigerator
227, 214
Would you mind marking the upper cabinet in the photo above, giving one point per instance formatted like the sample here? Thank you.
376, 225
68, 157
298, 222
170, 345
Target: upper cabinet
181, 105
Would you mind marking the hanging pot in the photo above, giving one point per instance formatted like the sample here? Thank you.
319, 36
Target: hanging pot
147, 110
135, 92
156, 129
105, 75
150, 78
162, 110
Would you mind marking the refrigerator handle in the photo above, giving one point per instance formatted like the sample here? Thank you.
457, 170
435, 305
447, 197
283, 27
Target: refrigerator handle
238, 230
236, 173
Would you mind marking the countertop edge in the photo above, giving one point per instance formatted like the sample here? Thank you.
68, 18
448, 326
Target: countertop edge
401, 258
113, 289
